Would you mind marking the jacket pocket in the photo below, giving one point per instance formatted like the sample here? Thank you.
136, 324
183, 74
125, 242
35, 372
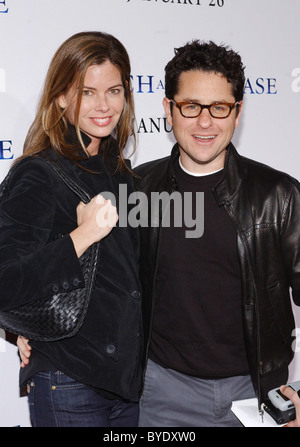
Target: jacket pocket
278, 305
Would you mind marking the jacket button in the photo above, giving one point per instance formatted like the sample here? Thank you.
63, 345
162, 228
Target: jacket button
76, 282
65, 285
110, 349
136, 294
55, 288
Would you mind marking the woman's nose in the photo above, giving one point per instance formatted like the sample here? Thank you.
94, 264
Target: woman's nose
102, 104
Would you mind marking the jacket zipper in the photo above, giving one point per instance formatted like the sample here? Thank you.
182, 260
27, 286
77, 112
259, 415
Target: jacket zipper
173, 189
258, 361
152, 307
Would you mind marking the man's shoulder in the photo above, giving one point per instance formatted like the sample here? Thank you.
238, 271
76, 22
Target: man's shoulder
152, 175
263, 180
152, 166
267, 173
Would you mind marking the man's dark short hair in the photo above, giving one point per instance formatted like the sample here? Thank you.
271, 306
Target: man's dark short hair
207, 57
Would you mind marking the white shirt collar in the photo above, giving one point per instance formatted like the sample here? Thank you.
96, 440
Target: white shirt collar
196, 174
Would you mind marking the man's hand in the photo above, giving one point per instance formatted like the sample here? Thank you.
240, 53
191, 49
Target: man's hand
24, 350
293, 396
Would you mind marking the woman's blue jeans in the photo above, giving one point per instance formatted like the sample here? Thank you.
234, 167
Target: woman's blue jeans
56, 400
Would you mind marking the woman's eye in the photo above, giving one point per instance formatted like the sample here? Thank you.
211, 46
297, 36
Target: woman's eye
115, 91
87, 93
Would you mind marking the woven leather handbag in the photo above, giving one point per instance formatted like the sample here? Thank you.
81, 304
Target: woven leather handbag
61, 315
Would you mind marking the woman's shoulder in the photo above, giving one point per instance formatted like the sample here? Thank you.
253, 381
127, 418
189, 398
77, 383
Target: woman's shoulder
38, 161
33, 170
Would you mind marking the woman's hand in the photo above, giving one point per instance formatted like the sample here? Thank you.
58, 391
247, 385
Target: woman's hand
95, 221
24, 350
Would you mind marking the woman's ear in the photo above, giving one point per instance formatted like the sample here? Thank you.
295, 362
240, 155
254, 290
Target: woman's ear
61, 101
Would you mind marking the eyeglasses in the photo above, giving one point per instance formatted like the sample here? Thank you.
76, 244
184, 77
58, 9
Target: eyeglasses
217, 109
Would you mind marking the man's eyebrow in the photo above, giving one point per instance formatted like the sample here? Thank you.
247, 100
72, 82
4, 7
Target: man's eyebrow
198, 102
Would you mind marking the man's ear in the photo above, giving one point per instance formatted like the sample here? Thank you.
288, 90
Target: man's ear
240, 108
167, 107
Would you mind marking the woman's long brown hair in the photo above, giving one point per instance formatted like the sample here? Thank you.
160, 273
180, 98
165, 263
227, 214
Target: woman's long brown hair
69, 65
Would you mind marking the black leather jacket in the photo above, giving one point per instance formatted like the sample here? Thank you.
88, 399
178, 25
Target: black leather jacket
264, 205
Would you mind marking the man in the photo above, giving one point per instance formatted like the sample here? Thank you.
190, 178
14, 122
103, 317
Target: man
218, 318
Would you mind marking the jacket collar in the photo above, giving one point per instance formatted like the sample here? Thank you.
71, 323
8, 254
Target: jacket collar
231, 180
230, 183
72, 138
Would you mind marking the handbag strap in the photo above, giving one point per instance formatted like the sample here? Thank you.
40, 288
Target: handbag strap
82, 194
78, 190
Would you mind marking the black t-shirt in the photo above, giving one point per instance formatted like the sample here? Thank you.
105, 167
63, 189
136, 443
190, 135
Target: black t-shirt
197, 324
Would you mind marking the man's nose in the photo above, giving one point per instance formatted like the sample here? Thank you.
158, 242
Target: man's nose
204, 119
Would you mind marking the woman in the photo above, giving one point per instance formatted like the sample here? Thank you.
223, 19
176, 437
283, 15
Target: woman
94, 377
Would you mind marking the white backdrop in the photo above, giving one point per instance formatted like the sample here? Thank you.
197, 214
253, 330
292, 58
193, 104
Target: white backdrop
265, 32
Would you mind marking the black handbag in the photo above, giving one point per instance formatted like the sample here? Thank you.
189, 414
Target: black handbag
61, 315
